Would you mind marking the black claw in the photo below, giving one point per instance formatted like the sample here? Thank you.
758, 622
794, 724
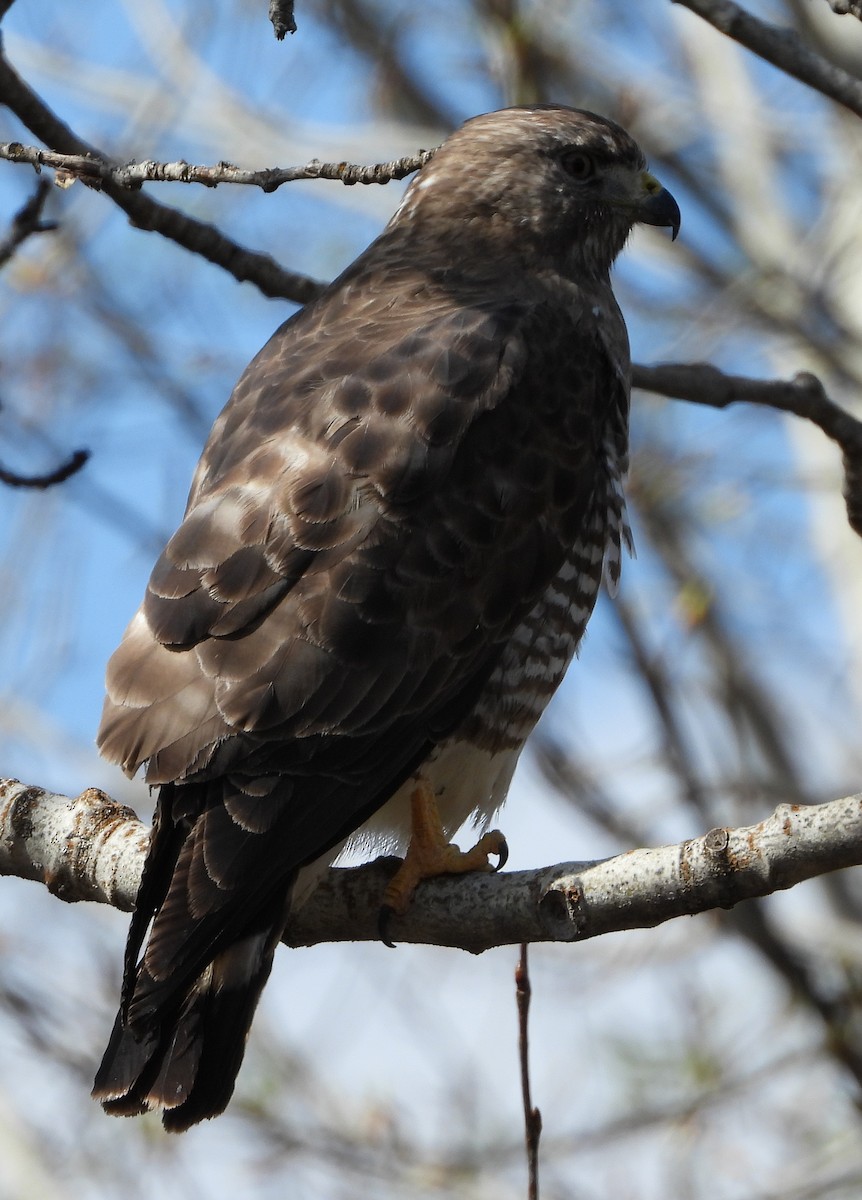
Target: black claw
384, 920
503, 856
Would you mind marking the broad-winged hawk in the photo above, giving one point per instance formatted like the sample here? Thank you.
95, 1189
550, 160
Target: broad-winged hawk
393, 543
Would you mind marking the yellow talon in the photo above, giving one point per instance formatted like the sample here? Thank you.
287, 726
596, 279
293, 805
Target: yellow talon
429, 854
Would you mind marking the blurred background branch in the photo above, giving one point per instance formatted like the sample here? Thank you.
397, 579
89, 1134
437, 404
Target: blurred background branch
782, 47
27, 222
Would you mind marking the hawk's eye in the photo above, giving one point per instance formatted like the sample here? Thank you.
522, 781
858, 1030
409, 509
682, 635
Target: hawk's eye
578, 165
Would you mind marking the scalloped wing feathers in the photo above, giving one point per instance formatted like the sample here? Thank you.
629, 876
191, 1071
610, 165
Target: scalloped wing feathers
395, 536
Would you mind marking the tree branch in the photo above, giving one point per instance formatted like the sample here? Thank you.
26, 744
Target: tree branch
27, 222
95, 169
532, 1116
91, 848
66, 470
845, 7
146, 213
781, 47
700, 383
803, 395
281, 17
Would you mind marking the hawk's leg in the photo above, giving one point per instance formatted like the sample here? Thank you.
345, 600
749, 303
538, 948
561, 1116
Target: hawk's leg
429, 854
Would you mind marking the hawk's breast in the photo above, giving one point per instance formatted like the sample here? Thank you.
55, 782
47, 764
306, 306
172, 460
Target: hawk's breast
537, 654
470, 772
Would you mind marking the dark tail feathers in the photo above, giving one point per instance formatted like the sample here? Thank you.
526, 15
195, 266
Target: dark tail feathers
185, 1060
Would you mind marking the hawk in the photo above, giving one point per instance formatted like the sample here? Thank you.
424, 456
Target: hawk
393, 542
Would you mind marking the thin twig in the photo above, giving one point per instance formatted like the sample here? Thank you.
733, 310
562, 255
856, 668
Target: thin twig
92, 168
26, 222
532, 1116
803, 395
845, 8
59, 475
781, 47
281, 16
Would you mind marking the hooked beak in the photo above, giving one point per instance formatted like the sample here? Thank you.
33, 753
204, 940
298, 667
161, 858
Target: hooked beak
657, 206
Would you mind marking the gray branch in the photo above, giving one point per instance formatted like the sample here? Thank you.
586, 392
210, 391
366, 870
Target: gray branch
86, 848
90, 848
803, 396
845, 8
94, 169
282, 18
783, 48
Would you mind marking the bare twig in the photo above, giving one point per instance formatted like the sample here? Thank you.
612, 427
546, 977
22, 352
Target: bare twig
281, 16
59, 475
803, 395
81, 843
781, 47
26, 222
146, 213
532, 1116
845, 8
132, 175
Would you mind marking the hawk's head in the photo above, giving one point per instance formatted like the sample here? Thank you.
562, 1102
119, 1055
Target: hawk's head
560, 181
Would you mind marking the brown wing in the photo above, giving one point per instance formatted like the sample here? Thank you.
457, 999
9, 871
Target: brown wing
392, 485
280, 589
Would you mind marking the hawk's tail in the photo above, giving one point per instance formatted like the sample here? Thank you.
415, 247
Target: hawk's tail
185, 1060
212, 920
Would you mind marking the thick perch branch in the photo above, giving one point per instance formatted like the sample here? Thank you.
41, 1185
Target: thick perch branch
91, 848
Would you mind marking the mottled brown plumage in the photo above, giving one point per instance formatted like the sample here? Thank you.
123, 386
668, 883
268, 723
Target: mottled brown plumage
393, 542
